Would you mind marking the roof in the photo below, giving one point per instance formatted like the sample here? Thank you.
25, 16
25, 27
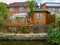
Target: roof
51, 4
17, 4
41, 10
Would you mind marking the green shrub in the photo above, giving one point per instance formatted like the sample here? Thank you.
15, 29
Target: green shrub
54, 34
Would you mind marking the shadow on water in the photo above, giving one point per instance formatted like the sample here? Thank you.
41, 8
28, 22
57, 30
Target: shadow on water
23, 43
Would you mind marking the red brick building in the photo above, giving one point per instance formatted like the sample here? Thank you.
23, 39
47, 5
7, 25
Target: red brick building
20, 9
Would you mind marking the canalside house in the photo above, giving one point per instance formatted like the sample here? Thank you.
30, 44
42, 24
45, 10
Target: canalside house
54, 8
20, 9
41, 16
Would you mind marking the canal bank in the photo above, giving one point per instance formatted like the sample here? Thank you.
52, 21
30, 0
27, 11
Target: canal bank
39, 36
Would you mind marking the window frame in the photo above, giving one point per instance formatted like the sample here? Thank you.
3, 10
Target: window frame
11, 9
59, 10
39, 15
21, 8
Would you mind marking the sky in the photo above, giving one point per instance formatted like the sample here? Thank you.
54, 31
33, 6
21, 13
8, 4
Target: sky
38, 1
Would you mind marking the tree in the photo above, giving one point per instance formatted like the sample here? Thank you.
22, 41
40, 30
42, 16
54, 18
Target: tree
3, 12
31, 5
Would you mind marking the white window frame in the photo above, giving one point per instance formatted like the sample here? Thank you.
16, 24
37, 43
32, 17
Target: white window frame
39, 16
21, 9
11, 9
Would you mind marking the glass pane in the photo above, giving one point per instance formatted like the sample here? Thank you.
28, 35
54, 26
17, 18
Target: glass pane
21, 8
37, 15
59, 10
12, 9
40, 16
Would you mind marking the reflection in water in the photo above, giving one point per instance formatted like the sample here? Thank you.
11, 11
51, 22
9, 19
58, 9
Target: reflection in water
23, 43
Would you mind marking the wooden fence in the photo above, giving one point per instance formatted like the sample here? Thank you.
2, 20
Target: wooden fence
16, 26
24, 29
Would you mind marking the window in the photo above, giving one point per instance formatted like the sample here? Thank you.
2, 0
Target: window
21, 8
56, 10
12, 9
59, 10
51, 10
39, 16
19, 15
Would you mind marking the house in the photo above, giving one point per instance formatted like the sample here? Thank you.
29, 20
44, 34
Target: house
20, 9
41, 16
53, 7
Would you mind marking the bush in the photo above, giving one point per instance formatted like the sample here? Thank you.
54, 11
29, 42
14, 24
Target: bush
54, 34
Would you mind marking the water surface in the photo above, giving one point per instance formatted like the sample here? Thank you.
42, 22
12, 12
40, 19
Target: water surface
23, 43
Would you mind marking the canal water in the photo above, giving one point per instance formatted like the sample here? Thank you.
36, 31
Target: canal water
23, 43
